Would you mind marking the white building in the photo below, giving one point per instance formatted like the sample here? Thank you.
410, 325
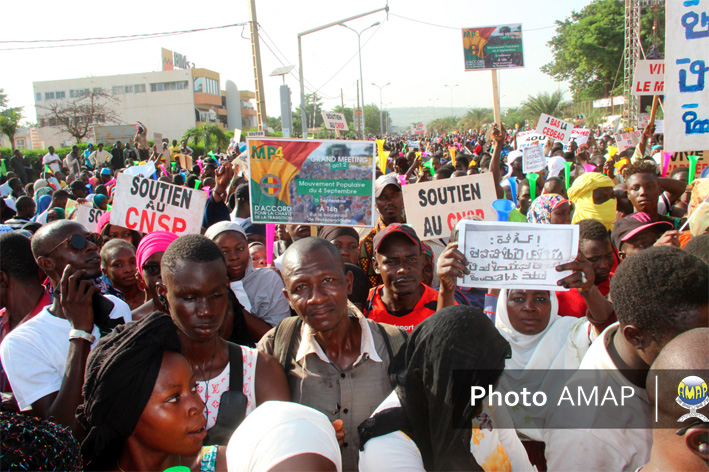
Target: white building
168, 102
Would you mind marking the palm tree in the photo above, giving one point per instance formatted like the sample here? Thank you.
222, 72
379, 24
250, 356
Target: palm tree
209, 134
544, 102
476, 118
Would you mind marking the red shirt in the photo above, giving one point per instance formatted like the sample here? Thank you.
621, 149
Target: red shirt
571, 303
407, 319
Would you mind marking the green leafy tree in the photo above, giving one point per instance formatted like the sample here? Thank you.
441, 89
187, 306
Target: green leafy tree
313, 110
275, 123
9, 119
443, 125
476, 118
371, 114
544, 102
514, 117
209, 135
588, 47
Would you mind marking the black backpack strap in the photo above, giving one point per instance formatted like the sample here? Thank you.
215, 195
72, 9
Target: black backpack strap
232, 405
284, 340
236, 368
384, 334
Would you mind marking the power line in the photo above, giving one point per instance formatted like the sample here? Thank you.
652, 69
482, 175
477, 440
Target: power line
120, 37
456, 27
137, 37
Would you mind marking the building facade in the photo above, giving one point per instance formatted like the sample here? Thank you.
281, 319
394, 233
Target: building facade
167, 102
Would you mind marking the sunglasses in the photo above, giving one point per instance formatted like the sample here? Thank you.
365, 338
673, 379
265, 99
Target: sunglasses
151, 269
683, 431
78, 242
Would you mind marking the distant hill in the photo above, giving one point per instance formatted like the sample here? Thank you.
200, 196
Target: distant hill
403, 117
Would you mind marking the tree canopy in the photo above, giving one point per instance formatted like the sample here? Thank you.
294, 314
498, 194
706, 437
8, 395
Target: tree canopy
9, 118
588, 48
77, 116
209, 134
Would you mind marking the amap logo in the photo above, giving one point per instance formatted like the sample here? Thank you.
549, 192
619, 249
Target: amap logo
692, 394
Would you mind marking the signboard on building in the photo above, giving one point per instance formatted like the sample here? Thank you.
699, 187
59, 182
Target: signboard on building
493, 47
172, 60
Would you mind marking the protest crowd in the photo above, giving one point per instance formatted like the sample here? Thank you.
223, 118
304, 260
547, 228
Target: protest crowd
346, 347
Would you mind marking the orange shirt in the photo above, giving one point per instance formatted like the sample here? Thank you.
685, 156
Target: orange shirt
407, 319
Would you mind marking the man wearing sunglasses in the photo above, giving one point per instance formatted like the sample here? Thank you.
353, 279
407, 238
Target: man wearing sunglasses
45, 357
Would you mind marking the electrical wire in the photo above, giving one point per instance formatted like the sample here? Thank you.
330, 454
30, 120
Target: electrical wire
456, 27
120, 37
137, 37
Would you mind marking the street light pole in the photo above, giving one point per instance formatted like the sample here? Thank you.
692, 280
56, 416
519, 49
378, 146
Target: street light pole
381, 115
361, 82
451, 87
303, 115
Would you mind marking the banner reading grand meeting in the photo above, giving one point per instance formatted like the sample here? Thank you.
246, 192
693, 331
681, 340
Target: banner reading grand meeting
306, 181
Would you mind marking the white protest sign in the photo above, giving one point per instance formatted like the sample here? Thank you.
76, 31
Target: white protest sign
555, 128
237, 135
659, 126
533, 159
434, 208
626, 140
516, 255
335, 121
88, 216
146, 170
686, 102
147, 205
649, 77
418, 128
412, 145
256, 133
580, 135
529, 138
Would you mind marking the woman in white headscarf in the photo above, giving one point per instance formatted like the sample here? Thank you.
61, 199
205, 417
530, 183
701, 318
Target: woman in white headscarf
543, 343
284, 436
260, 291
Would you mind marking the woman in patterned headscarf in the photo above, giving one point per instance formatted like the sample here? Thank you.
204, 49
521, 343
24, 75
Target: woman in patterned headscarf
550, 208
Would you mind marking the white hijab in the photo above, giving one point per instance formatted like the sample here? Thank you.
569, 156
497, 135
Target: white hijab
277, 431
559, 346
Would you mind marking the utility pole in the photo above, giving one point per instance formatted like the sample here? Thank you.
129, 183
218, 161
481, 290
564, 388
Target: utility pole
381, 112
358, 121
256, 52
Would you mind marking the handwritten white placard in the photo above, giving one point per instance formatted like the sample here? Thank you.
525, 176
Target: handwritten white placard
88, 216
533, 159
686, 90
516, 255
555, 128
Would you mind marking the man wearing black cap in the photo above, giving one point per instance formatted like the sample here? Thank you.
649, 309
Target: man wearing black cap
390, 205
402, 300
640, 231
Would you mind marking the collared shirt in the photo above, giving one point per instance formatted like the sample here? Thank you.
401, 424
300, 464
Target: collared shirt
309, 345
350, 395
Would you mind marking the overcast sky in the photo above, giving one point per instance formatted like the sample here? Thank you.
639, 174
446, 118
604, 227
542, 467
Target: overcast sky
417, 59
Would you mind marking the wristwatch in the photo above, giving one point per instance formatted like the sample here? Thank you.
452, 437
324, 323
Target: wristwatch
79, 334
